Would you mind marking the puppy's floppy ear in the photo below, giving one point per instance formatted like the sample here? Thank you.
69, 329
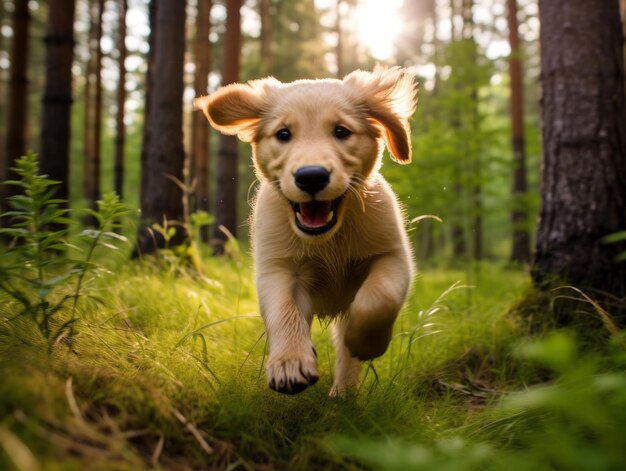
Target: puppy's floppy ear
389, 97
237, 108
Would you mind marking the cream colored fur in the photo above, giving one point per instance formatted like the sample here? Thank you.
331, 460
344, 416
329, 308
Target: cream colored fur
359, 270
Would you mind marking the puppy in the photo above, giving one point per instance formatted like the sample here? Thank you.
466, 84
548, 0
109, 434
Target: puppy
327, 231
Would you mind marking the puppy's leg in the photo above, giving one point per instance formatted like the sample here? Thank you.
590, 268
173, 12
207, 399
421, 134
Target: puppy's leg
286, 309
376, 306
347, 367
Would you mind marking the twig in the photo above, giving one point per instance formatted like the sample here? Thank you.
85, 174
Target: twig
71, 400
193, 430
156, 454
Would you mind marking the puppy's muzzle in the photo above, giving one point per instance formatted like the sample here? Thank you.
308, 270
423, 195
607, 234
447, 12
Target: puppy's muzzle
314, 217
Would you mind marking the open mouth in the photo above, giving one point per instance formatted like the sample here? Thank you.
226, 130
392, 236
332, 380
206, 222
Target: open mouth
316, 217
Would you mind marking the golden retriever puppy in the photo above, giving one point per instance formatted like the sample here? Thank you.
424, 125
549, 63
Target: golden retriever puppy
327, 231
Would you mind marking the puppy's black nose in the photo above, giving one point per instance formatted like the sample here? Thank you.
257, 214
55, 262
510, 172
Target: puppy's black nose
312, 178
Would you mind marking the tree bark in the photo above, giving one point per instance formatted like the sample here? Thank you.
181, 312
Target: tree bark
165, 158
120, 137
584, 136
520, 250
227, 158
57, 96
149, 85
94, 194
88, 128
18, 87
200, 129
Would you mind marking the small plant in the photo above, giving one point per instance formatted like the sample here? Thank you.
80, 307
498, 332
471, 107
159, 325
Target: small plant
37, 271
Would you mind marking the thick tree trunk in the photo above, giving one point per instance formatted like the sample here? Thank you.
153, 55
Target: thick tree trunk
18, 87
584, 137
200, 129
149, 85
165, 159
520, 250
120, 137
227, 158
57, 96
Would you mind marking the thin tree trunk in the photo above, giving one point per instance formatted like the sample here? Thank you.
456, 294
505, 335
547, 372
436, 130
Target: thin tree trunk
622, 8
457, 233
584, 137
163, 197
97, 122
3, 153
200, 130
120, 138
227, 158
18, 86
339, 46
266, 36
473, 151
57, 96
520, 250
88, 129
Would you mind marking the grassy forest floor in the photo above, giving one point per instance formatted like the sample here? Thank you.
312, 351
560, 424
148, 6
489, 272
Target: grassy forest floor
165, 370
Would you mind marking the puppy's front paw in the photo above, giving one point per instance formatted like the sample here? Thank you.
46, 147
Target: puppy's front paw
291, 373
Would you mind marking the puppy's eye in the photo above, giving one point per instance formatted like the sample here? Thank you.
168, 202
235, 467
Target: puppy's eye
283, 135
341, 132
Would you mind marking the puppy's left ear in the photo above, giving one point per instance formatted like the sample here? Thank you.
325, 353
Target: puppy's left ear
390, 98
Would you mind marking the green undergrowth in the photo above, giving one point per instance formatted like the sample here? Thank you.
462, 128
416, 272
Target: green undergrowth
166, 370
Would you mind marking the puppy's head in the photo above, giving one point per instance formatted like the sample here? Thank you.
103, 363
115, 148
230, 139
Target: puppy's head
317, 141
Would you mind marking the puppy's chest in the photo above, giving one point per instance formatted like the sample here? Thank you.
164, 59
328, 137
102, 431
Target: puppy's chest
332, 286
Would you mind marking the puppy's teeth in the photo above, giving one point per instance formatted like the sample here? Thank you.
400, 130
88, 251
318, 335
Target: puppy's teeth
299, 216
330, 216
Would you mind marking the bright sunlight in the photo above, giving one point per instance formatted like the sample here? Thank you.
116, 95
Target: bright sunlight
378, 24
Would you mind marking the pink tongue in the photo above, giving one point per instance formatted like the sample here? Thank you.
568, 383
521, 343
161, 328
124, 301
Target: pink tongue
315, 213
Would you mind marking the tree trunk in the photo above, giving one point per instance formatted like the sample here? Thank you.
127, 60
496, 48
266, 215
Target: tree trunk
584, 136
200, 130
120, 138
339, 47
94, 195
227, 158
473, 151
88, 128
3, 154
18, 87
165, 158
266, 36
57, 96
149, 85
520, 250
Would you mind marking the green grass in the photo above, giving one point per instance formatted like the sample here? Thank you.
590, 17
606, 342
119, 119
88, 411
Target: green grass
168, 371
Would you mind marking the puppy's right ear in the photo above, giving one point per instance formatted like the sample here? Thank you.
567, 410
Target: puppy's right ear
237, 108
